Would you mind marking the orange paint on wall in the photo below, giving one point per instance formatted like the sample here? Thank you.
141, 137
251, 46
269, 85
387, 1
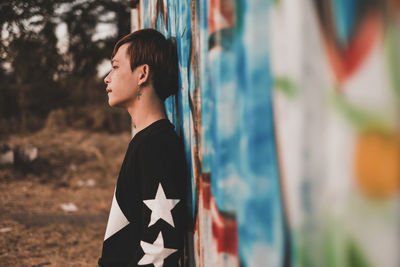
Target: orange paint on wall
377, 164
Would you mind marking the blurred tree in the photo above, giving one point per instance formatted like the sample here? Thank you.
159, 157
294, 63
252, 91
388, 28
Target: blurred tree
82, 19
29, 46
36, 76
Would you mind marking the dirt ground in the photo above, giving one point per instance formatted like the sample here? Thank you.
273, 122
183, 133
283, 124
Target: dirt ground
54, 211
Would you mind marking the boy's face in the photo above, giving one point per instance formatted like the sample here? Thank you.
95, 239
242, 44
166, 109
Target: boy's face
122, 82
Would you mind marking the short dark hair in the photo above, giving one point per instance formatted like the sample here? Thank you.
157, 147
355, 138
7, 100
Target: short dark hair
148, 46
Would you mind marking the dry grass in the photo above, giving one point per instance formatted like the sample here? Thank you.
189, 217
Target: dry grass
73, 166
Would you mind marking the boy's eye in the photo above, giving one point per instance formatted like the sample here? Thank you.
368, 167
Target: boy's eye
115, 67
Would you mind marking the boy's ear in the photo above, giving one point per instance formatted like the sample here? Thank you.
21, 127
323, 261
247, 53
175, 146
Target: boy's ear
144, 74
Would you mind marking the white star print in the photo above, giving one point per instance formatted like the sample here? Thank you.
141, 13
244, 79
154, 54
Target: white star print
155, 253
116, 219
161, 207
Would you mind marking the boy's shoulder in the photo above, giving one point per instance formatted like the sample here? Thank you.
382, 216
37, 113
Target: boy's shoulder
158, 136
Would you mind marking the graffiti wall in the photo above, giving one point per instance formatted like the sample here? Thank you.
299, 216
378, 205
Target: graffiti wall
289, 111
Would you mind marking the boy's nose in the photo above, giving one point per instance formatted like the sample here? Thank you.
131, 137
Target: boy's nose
107, 79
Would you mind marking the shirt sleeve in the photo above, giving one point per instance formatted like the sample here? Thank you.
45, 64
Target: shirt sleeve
161, 209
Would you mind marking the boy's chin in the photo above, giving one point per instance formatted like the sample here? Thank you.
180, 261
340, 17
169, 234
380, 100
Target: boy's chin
115, 104
112, 103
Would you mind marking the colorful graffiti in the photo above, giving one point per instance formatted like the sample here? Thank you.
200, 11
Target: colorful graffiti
289, 111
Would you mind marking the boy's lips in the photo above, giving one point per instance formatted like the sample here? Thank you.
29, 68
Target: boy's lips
108, 90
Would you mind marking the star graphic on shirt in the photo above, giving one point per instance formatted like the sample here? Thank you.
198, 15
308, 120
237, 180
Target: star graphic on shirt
155, 253
116, 219
161, 207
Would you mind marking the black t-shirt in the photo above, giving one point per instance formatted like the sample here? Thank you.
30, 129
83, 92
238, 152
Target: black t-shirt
147, 221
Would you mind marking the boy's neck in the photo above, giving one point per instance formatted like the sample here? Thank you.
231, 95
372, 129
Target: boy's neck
146, 110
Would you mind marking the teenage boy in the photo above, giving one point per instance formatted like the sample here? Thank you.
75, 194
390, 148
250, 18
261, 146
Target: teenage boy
147, 221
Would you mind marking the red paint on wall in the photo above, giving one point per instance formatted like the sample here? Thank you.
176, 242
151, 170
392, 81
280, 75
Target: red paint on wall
225, 232
221, 15
346, 61
224, 226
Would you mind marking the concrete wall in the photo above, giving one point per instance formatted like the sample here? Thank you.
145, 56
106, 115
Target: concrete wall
289, 111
